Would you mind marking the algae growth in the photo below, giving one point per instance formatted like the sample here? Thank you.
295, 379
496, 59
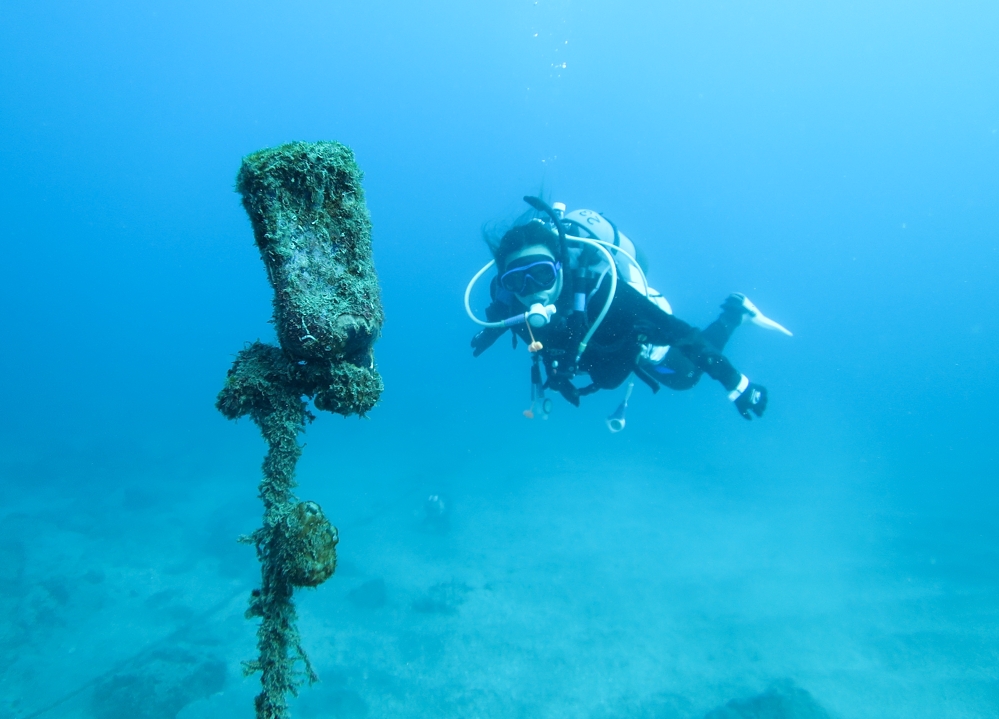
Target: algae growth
313, 231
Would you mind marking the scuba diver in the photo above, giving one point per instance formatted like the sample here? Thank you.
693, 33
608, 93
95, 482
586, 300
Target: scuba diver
573, 288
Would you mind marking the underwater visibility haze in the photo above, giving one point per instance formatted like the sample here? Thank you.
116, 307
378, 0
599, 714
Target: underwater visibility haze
835, 162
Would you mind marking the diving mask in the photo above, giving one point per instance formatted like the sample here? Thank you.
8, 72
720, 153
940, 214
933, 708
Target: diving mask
530, 274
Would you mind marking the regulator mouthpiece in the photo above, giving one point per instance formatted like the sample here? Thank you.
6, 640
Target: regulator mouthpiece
540, 315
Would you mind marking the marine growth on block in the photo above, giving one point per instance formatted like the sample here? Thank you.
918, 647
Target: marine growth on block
314, 233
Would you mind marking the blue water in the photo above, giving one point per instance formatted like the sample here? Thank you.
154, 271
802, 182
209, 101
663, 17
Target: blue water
836, 161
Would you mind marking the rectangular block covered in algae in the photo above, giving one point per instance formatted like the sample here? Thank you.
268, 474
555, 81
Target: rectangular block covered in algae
314, 233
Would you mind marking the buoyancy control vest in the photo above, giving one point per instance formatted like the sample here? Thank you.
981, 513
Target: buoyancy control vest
588, 264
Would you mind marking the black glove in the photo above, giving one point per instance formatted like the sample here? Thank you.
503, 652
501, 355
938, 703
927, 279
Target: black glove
753, 399
484, 340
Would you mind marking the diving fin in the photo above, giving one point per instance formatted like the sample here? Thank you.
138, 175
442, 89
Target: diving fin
742, 303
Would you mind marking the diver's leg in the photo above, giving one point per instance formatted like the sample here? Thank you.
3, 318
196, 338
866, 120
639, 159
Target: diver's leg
734, 311
676, 371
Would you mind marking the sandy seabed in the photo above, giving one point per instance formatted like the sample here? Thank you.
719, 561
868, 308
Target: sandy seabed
568, 591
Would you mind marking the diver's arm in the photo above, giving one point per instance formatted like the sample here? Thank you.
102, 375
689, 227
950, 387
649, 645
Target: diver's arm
499, 309
482, 341
485, 339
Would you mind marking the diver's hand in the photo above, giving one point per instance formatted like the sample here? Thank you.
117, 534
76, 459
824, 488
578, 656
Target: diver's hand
750, 398
485, 339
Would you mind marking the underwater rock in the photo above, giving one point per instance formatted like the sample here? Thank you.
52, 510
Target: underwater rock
782, 700
443, 598
370, 595
165, 683
313, 230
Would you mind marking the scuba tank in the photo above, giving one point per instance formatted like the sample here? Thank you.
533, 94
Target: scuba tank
630, 264
592, 225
